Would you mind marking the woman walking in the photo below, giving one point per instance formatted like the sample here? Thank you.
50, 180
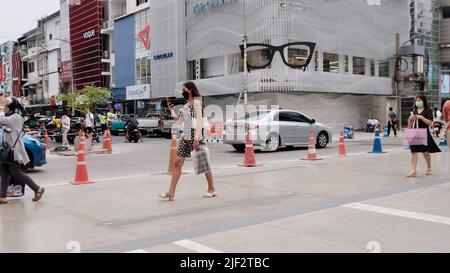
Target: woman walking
65, 128
191, 138
424, 115
12, 118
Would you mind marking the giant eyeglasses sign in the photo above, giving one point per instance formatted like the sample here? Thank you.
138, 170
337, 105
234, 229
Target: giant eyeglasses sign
296, 55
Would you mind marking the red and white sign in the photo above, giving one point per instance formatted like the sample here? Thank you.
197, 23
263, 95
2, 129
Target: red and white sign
66, 73
215, 130
144, 37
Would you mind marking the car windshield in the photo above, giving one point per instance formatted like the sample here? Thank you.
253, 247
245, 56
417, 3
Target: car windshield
256, 115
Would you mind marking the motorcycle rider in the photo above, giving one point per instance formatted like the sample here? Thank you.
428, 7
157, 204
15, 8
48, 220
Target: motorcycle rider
131, 125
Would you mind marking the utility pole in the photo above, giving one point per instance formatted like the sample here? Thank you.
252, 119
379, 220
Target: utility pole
397, 78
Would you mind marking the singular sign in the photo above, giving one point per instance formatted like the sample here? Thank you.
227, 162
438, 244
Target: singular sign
210, 4
138, 92
89, 34
163, 56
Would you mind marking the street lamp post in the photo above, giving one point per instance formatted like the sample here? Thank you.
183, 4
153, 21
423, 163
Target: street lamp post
397, 71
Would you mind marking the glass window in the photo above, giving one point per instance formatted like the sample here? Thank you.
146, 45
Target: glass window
346, 68
446, 12
330, 62
359, 66
296, 117
383, 68
372, 68
316, 61
31, 67
284, 116
140, 2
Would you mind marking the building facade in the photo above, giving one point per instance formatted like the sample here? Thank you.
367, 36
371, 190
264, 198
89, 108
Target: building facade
444, 50
132, 58
348, 80
6, 63
88, 44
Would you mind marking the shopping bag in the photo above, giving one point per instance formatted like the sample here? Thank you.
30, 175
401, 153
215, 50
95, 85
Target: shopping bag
201, 160
416, 136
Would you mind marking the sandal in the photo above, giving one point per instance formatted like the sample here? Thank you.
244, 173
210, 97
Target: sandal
412, 175
3, 202
38, 195
210, 195
429, 172
165, 196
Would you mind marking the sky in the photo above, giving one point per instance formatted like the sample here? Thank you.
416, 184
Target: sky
20, 16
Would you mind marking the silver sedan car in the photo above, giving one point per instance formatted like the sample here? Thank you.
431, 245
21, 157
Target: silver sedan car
271, 130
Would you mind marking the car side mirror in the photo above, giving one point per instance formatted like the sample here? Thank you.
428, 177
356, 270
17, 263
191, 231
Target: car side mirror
313, 121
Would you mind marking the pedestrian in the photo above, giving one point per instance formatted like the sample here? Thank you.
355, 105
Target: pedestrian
103, 120
392, 123
12, 118
424, 115
89, 124
65, 128
191, 138
446, 117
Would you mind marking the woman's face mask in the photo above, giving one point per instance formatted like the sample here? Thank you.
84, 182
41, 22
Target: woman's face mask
185, 94
419, 104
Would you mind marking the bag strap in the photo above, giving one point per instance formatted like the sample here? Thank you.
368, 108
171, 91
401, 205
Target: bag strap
18, 137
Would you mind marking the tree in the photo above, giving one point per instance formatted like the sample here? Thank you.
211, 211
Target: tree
88, 97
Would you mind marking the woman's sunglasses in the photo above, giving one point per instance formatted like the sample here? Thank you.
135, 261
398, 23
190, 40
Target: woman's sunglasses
298, 55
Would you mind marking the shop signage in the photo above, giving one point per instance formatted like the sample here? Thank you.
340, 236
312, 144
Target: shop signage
445, 83
209, 4
66, 71
163, 56
89, 34
144, 37
138, 92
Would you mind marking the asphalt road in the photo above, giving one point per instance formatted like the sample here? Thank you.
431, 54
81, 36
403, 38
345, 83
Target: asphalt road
361, 203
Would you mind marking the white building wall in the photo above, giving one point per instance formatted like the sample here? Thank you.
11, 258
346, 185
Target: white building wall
132, 7
167, 36
345, 27
51, 75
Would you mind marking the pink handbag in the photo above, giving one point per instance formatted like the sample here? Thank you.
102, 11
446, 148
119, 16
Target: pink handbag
416, 135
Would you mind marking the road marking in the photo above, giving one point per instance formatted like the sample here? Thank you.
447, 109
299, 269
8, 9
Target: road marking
400, 213
196, 247
137, 251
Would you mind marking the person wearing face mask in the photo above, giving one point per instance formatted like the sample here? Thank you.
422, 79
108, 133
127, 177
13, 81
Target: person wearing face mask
12, 118
424, 114
191, 138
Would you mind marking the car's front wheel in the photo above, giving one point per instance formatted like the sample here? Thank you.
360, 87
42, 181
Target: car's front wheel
322, 140
273, 143
239, 148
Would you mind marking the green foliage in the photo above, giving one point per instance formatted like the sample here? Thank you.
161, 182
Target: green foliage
88, 97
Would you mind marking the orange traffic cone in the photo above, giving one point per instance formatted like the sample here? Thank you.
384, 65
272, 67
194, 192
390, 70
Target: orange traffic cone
342, 150
81, 175
312, 153
173, 155
249, 160
107, 141
48, 145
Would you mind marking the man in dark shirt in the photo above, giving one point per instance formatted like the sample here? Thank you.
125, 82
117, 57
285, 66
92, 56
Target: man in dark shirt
392, 122
132, 124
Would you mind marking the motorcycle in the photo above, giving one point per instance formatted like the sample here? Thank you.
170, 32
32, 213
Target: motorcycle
437, 127
134, 136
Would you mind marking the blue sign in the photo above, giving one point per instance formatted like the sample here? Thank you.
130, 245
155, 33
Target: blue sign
201, 7
163, 56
